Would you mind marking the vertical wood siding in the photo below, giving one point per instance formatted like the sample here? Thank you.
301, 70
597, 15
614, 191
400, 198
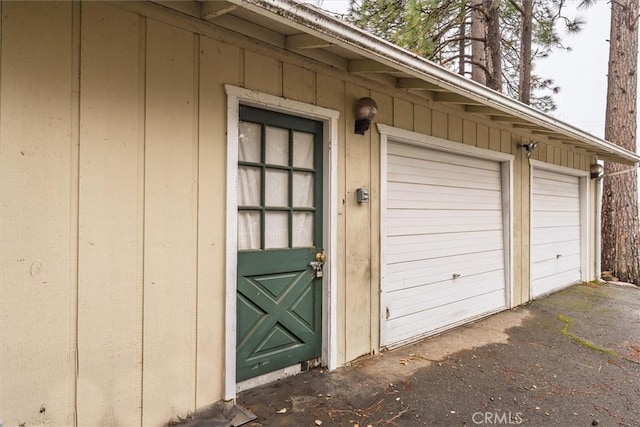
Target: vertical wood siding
330, 93
37, 206
170, 225
357, 236
131, 230
220, 64
110, 217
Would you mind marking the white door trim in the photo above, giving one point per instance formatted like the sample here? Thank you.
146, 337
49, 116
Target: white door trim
237, 96
415, 138
585, 215
506, 161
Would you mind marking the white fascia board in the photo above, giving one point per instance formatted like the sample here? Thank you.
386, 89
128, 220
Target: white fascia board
311, 20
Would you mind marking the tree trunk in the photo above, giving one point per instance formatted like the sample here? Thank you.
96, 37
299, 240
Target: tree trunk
524, 83
620, 224
494, 61
478, 35
462, 62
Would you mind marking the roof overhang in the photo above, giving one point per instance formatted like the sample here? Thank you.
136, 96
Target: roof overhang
311, 32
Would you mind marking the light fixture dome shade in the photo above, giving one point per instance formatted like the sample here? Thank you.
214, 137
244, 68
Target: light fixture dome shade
596, 170
366, 108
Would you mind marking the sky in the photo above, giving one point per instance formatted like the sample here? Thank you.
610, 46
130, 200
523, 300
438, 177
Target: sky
581, 73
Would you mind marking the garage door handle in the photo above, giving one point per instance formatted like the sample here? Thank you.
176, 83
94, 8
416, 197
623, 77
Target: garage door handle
456, 275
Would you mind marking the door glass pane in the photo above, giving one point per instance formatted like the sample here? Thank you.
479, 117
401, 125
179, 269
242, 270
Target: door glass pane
276, 230
277, 188
302, 229
248, 186
249, 142
248, 230
303, 150
277, 141
303, 189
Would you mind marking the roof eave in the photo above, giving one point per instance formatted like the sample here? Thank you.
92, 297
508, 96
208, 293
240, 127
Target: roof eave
311, 20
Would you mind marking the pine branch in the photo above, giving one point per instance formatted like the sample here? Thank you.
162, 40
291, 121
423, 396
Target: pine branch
517, 6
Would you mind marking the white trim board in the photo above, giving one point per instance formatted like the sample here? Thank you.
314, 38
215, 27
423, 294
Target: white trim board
435, 143
506, 161
237, 96
556, 168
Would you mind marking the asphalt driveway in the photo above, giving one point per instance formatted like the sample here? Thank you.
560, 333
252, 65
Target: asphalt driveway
569, 359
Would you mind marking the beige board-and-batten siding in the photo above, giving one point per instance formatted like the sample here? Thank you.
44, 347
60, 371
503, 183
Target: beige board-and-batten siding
112, 191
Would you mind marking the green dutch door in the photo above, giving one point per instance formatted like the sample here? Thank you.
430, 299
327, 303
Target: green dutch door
279, 296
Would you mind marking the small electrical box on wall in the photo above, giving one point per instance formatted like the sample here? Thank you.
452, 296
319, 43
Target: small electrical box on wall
362, 195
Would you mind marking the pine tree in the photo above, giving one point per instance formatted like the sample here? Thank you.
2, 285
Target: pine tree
620, 223
470, 36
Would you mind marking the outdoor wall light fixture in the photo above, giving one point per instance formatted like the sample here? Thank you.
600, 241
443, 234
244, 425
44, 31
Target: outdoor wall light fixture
365, 110
596, 171
529, 147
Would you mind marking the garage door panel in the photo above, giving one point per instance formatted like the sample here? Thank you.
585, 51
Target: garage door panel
410, 327
409, 221
441, 245
403, 195
452, 175
552, 250
543, 236
556, 281
543, 202
443, 218
555, 235
421, 272
556, 265
442, 180
415, 152
427, 297
551, 188
555, 219
455, 216
547, 175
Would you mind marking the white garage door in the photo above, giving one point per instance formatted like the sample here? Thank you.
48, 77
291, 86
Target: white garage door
555, 231
444, 243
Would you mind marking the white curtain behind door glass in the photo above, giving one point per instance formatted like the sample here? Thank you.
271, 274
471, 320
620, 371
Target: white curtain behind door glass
249, 184
302, 229
303, 150
276, 230
276, 188
277, 149
248, 230
302, 189
276, 227
248, 195
249, 142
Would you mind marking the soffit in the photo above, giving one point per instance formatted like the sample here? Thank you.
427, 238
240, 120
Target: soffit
312, 33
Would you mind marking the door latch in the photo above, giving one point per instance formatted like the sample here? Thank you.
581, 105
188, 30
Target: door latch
317, 267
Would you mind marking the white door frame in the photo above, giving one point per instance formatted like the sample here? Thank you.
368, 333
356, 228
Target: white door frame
506, 171
585, 217
237, 96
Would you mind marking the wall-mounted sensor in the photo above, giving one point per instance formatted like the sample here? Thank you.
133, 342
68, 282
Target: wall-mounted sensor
362, 195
